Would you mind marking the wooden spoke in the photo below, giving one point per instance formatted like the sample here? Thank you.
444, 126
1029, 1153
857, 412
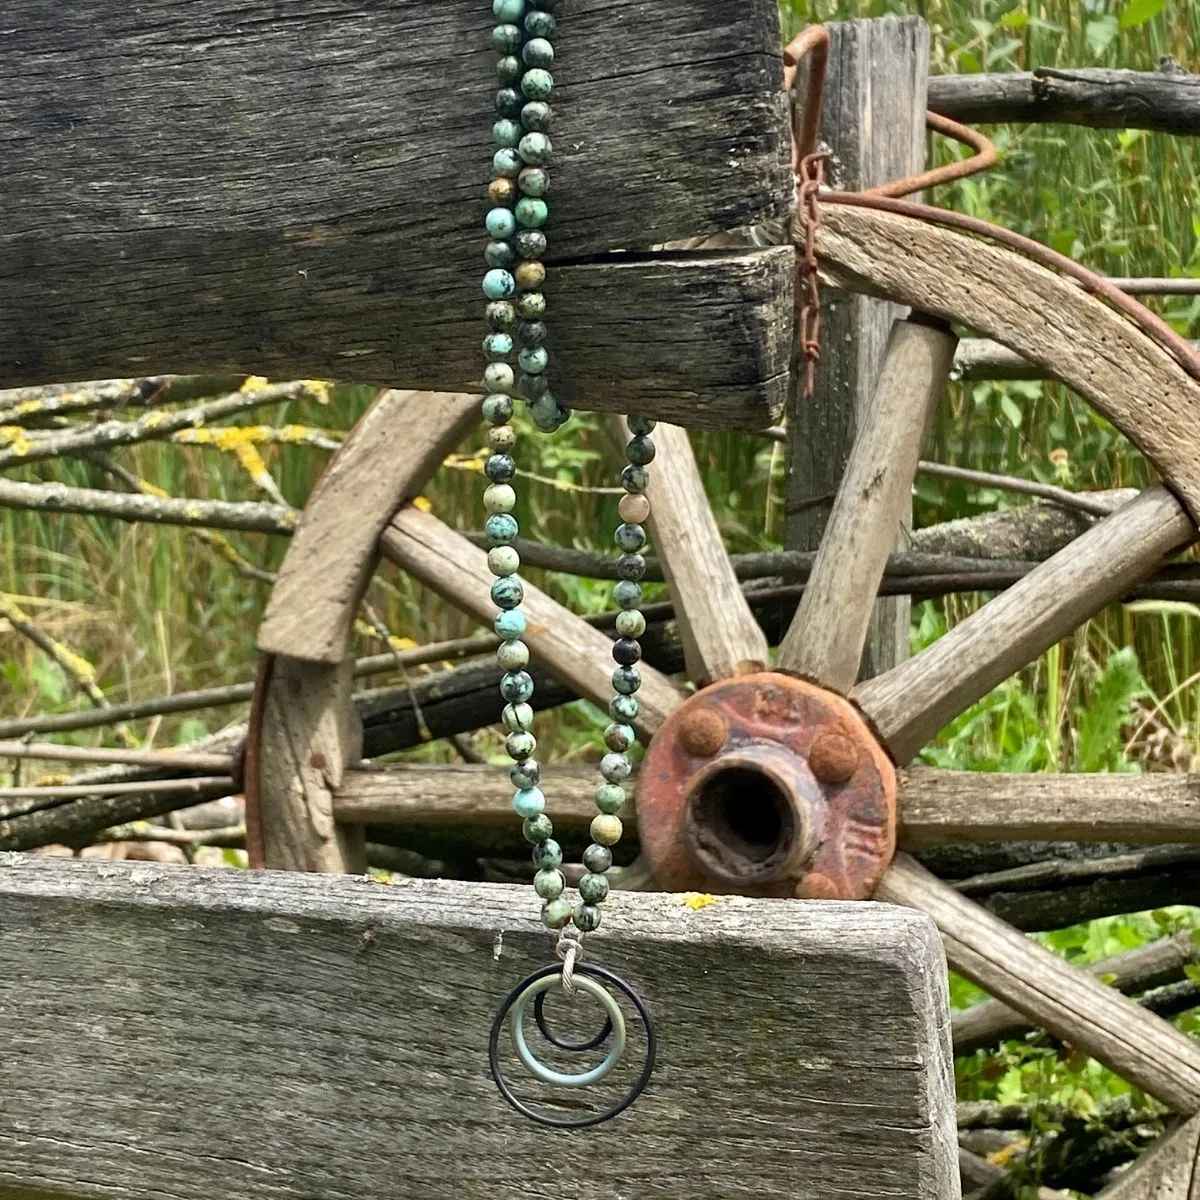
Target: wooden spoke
1070, 1003
447, 563
719, 633
389, 456
826, 638
1169, 1170
1050, 321
940, 808
910, 703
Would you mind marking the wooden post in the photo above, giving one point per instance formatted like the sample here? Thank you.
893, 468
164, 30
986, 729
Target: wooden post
874, 125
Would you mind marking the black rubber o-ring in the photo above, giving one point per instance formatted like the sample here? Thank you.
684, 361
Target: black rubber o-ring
539, 1004
635, 1090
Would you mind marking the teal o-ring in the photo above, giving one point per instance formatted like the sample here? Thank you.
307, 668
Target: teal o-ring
560, 1078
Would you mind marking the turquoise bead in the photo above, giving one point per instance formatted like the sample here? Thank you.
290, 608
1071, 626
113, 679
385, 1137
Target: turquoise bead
531, 214
631, 624
627, 594
516, 686
539, 24
517, 717
531, 245
500, 529
630, 538
615, 767
538, 52
534, 360
506, 39
587, 918
510, 624
507, 163
534, 181
499, 255
499, 497
520, 745
513, 655
535, 149
547, 855
499, 285
625, 680
557, 913
537, 829
509, 68
510, 11
503, 561
549, 884
639, 426
623, 708
619, 736
525, 773
501, 315
508, 593
632, 567
497, 408
528, 802
537, 116
500, 468
537, 84
547, 415
593, 889
633, 478
640, 450
531, 305
501, 224
610, 798
626, 651
498, 345
597, 859
499, 377
509, 102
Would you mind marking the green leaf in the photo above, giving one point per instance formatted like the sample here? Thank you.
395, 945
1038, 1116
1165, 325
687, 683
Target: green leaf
1098, 725
1138, 12
1012, 410
1100, 33
1017, 19
1192, 971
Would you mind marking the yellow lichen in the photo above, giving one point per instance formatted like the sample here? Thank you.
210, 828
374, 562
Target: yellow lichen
318, 389
15, 438
254, 383
422, 504
698, 900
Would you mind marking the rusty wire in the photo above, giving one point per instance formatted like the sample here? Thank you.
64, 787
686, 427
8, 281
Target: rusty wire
808, 293
984, 158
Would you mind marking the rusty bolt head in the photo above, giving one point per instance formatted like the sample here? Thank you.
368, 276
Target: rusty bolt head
703, 732
815, 886
833, 758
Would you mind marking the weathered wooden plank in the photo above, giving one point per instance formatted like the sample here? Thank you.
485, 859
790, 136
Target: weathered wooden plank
719, 633
1169, 1170
940, 808
387, 458
445, 561
1070, 1003
874, 124
1163, 101
304, 731
826, 638
909, 704
1096, 350
1133, 971
198, 1035
304, 195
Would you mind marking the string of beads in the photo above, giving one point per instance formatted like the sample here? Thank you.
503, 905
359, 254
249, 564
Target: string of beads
516, 307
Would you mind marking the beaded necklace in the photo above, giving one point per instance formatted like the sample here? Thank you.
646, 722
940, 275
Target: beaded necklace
516, 306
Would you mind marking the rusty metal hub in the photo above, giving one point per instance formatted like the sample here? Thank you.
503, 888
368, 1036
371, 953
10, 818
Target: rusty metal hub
768, 786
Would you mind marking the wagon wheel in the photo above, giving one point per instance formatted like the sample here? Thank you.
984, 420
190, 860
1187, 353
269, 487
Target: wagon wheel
785, 782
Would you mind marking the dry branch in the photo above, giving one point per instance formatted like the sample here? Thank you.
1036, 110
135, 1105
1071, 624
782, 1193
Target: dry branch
170, 759
20, 406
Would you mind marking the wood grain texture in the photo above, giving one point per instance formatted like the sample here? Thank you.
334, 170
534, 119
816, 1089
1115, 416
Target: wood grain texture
192, 1034
1164, 101
305, 197
447, 563
826, 639
909, 704
309, 732
1070, 1003
1092, 348
1169, 1170
387, 458
874, 125
941, 808
719, 633
1133, 971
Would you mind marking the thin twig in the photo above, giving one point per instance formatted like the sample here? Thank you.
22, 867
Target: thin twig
1009, 483
18, 405
134, 787
23, 447
230, 837
170, 759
